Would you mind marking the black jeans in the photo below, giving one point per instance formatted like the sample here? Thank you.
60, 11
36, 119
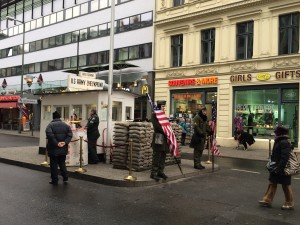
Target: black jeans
183, 136
61, 162
92, 150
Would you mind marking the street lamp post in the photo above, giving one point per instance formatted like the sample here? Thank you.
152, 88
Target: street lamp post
22, 73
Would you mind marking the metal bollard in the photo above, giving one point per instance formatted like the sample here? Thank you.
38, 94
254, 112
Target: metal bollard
130, 177
80, 169
45, 163
208, 151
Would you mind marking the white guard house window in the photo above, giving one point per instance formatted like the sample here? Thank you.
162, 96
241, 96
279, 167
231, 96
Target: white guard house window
77, 109
88, 110
47, 112
128, 113
63, 111
116, 111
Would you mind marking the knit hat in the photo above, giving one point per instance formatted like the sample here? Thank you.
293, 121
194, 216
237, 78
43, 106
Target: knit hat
280, 130
55, 115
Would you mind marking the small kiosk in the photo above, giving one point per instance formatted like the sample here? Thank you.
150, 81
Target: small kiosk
77, 103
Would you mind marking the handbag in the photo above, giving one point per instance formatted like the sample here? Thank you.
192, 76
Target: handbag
292, 167
271, 166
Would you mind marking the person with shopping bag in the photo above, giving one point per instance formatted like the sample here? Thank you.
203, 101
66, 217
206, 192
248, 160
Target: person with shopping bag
280, 155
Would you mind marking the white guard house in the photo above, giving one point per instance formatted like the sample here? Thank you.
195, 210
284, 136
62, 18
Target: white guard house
79, 102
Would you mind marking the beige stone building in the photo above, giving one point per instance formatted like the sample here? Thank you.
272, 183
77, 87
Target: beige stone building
242, 55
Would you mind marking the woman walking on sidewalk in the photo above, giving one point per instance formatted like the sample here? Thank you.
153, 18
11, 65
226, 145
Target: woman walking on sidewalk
280, 155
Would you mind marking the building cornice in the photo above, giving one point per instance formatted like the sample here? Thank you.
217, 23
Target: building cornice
214, 11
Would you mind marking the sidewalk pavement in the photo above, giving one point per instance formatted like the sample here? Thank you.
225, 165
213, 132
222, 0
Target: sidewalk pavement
28, 157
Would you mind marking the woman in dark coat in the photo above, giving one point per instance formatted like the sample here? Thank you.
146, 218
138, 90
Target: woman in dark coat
280, 155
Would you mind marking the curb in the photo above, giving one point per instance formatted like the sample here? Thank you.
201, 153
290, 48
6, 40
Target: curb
109, 182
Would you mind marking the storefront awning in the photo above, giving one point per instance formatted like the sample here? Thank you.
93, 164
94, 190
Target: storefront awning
7, 105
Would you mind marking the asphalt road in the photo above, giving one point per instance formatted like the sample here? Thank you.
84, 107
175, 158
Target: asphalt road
17, 141
225, 197
228, 196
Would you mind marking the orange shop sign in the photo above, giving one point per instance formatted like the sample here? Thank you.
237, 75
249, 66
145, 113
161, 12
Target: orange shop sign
185, 96
193, 81
9, 98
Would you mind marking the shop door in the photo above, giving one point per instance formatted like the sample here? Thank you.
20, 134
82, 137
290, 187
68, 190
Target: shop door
289, 119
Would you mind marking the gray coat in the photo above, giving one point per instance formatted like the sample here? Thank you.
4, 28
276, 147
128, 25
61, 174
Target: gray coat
58, 131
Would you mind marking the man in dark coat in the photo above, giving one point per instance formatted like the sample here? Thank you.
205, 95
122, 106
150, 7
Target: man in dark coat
201, 129
58, 135
92, 136
159, 146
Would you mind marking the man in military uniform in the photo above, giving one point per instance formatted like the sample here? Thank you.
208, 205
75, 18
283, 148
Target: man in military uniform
159, 146
201, 129
92, 136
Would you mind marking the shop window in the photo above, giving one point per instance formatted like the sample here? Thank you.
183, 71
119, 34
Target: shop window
244, 40
88, 110
176, 50
290, 95
289, 33
210, 97
47, 112
208, 45
185, 103
258, 109
116, 111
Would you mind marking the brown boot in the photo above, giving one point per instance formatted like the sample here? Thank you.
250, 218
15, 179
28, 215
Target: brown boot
289, 200
269, 195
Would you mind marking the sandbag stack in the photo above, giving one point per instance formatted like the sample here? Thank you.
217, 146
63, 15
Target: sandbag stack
120, 140
141, 135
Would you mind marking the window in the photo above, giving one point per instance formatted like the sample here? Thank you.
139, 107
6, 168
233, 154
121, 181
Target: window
122, 54
134, 52
244, 40
47, 112
83, 34
52, 42
103, 57
145, 50
59, 64
68, 38
77, 109
146, 19
92, 59
289, 34
116, 111
123, 25
32, 46
74, 61
93, 32
178, 2
94, 5
37, 67
88, 110
59, 40
45, 43
103, 29
45, 66
67, 63
208, 45
176, 50
38, 45
135, 22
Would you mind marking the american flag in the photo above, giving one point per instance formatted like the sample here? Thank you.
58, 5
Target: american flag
214, 147
25, 111
166, 126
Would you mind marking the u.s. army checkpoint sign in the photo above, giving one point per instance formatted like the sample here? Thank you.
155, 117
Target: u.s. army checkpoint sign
77, 83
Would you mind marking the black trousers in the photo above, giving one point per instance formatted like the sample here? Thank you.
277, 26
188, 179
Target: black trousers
61, 162
183, 136
92, 150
